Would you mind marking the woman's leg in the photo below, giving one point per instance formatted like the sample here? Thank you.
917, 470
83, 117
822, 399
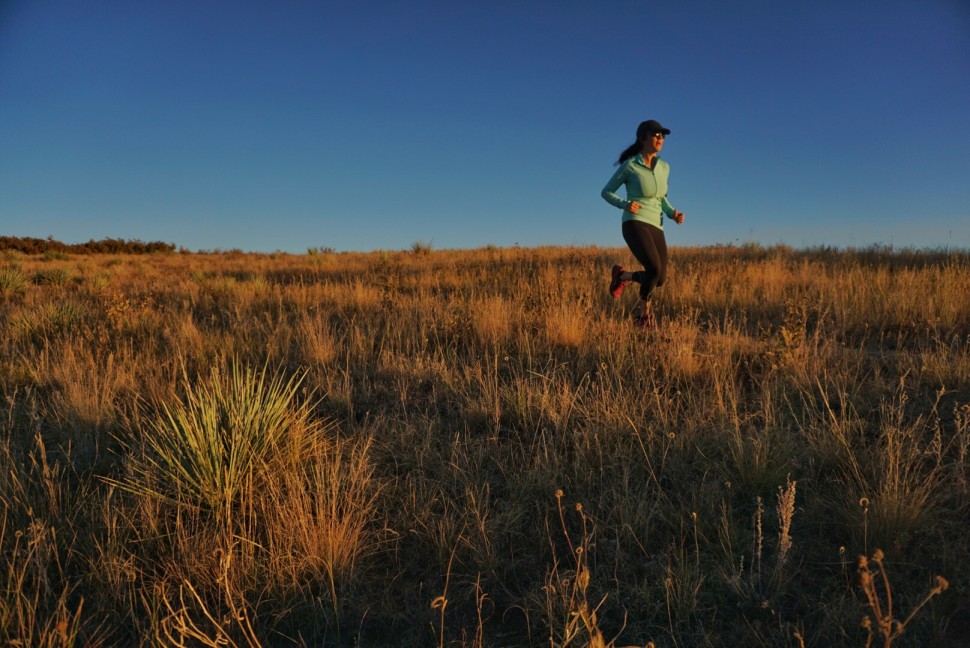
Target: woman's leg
660, 243
650, 248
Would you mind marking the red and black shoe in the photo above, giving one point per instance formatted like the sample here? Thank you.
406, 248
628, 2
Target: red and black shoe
646, 321
616, 284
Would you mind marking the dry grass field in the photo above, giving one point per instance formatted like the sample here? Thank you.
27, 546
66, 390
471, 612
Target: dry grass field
476, 448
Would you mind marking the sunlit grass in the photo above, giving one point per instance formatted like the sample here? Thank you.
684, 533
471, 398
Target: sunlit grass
248, 449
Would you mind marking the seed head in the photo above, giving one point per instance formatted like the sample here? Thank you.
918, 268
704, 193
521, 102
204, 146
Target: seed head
941, 585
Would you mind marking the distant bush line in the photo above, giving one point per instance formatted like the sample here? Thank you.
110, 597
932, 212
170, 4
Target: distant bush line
29, 245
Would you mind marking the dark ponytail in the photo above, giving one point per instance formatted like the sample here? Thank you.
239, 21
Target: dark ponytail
629, 152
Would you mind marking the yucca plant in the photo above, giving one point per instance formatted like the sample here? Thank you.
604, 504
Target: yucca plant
63, 317
421, 248
52, 277
214, 447
12, 281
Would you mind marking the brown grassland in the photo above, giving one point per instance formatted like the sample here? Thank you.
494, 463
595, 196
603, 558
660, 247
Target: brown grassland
476, 448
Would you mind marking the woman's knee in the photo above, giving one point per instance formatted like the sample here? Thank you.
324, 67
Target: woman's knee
646, 276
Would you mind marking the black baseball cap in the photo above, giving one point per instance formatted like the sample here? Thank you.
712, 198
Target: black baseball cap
650, 126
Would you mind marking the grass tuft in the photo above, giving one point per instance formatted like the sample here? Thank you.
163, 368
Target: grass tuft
218, 444
52, 277
13, 281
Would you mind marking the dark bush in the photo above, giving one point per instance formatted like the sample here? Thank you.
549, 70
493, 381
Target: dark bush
30, 245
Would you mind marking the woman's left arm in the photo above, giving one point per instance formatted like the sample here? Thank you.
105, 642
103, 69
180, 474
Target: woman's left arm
669, 210
665, 205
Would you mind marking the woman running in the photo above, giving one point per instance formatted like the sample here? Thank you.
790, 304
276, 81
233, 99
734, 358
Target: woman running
645, 176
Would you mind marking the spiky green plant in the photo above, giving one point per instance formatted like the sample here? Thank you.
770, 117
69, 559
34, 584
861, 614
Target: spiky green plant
63, 317
421, 248
52, 277
214, 447
12, 281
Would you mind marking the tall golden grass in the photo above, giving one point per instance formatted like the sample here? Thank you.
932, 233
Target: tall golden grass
477, 448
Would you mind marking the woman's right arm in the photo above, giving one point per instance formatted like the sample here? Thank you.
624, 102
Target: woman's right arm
609, 191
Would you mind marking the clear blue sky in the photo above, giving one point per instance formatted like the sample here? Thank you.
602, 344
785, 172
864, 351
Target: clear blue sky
268, 126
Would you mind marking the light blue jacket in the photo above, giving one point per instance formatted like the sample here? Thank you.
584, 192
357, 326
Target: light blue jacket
644, 185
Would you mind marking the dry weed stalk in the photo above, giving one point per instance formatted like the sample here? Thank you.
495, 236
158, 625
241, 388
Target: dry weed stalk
440, 603
758, 539
786, 511
182, 630
568, 609
885, 623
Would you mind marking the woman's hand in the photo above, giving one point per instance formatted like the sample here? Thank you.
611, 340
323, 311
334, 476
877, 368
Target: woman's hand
633, 207
678, 217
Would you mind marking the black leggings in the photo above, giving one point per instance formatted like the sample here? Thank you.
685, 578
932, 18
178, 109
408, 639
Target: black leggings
650, 248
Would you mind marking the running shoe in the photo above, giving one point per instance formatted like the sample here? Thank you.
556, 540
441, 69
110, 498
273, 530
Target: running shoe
647, 320
616, 285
